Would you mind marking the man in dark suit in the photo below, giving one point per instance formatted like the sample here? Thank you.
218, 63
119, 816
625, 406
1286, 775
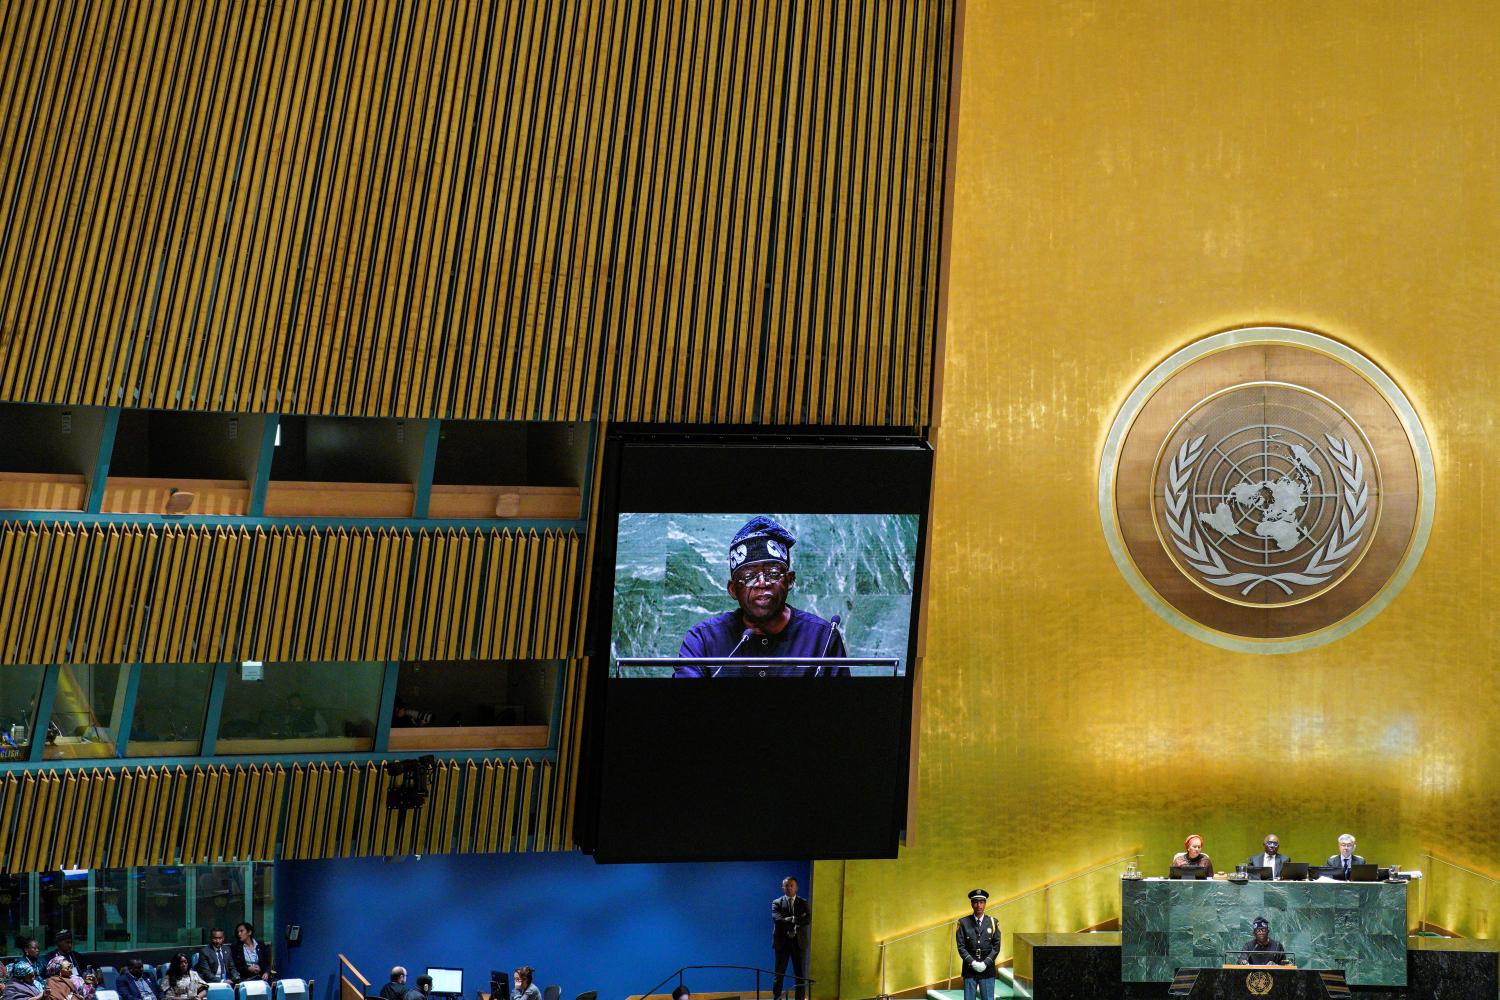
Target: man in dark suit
213, 963
252, 960
791, 930
978, 940
1271, 857
1345, 858
1263, 949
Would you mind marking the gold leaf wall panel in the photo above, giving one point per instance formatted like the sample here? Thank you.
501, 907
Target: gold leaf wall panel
688, 211
123, 593
1130, 177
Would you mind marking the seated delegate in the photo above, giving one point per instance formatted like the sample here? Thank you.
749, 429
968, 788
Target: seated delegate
1192, 856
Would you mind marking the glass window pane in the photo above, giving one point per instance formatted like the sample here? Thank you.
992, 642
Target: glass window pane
13, 908
111, 910
263, 908
20, 688
63, 906
301, 708
86, 712
221, 898
473, 705
160, 907
170, 702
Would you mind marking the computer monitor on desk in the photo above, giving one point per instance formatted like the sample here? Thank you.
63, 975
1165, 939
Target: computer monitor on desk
1294, 871
1188, 871
446, 982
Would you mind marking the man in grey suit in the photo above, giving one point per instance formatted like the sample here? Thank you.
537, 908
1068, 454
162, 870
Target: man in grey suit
978, 941
791, 931
1345, 858
1271, 857
213, 963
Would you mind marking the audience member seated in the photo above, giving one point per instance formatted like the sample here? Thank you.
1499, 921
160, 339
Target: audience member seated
396, 988
134, 984
181, 982
64, 949
59, 984
214, 964
524, 988
83, 986
252, 960
422, 991
22, 985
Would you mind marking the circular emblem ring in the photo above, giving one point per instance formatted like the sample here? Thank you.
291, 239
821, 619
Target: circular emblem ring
1267, 489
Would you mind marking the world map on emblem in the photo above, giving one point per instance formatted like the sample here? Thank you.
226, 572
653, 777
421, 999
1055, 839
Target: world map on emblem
1267, 491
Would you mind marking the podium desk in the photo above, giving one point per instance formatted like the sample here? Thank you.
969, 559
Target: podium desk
1359, 927
1247, 982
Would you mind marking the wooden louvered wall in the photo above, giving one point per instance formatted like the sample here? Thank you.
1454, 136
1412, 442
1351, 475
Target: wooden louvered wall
211, 813
678, 211
126, 593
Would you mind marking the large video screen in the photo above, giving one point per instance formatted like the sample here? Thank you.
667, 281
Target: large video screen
752, 647
763, 589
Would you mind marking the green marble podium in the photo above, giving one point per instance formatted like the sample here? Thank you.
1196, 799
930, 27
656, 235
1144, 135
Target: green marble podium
1360, 927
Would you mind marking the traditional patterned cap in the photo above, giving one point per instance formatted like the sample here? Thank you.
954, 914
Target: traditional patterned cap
761, 540
1260, 922
978, 894
23, 968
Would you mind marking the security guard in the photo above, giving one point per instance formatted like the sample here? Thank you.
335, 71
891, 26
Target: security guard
978, 947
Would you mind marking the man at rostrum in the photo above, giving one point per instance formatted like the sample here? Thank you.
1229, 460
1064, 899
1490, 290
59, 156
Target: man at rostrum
396, 989
764, 624
1263, 949
1272, 857
978, 946
791, 930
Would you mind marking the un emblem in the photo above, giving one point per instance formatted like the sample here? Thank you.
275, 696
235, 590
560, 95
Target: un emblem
1258, 984
1267, 489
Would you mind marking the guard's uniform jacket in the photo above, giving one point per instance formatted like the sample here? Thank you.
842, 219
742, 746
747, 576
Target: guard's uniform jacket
979, 940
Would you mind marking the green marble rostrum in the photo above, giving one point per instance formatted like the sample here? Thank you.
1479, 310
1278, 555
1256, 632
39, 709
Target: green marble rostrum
1359, 927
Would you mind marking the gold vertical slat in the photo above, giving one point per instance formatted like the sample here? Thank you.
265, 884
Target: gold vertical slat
523, 814
10, 792
171, 846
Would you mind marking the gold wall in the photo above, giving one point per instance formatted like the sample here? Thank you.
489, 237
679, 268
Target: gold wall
1129, 177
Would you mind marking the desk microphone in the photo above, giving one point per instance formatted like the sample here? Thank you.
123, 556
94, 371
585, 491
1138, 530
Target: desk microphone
744, 638
833, 630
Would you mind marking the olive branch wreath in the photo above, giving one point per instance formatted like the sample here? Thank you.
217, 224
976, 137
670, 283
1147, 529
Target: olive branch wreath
1204, 558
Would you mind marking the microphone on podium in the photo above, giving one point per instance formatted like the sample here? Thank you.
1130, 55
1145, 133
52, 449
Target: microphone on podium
833, 630
744, 638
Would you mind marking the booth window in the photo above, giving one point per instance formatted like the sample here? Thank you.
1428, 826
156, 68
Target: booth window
86, 713
115, 910
300, 708
473, 705
170, 703
20, 689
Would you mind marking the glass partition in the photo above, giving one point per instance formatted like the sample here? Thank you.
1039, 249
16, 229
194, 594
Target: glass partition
124, 909
86, 714
301, 708
20, 690
476, 705
171, 701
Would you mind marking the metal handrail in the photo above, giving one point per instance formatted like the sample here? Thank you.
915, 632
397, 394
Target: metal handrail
796, 980
1453, 864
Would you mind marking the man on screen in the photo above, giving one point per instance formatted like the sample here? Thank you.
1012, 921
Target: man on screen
764, 625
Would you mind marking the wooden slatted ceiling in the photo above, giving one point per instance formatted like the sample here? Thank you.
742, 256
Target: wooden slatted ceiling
122, 593
686, 211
